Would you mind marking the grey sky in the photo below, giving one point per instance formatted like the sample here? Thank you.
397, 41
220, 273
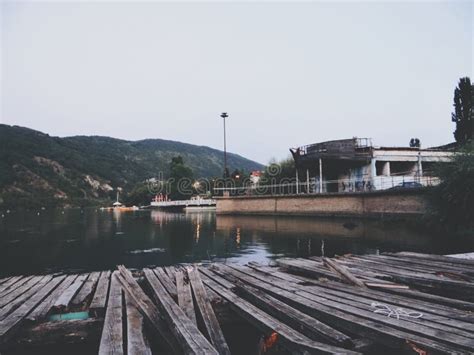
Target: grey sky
288, 73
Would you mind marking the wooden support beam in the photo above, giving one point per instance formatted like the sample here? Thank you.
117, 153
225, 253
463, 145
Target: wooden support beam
187, 334
147, 308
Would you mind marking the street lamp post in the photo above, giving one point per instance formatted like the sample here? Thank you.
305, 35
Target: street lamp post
226, 172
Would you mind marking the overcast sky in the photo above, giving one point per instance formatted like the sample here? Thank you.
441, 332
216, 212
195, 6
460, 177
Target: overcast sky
288, 73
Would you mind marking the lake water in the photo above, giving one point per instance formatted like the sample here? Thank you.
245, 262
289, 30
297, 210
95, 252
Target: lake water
73, 239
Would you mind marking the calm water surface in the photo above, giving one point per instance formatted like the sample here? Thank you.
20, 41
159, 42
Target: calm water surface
94, 240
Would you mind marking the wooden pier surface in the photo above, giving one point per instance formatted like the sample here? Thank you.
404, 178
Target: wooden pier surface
400, 303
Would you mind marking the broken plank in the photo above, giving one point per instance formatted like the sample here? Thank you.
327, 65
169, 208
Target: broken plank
309, 326
147, 308
137, 344
111, 341
382, 329
185, 297
287, 336
185, 331
167, 282
97, 305
344, 272
42, 310
208, 317
86, 290
62, 303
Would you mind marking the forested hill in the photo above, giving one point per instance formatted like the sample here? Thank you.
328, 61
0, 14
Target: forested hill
39, 169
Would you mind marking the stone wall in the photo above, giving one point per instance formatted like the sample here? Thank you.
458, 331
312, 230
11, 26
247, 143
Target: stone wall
369, 204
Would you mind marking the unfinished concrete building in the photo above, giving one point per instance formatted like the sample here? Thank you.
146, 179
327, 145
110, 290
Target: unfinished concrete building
350, 165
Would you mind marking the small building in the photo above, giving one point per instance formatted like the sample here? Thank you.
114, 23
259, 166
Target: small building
350, 165
255, 177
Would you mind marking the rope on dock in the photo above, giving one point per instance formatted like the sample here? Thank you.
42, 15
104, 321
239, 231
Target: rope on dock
394, 312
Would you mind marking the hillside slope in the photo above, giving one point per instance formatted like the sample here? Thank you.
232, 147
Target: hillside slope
37, 169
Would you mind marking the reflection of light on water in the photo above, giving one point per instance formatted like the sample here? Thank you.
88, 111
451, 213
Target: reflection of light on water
237, 238
198, 230
118, 221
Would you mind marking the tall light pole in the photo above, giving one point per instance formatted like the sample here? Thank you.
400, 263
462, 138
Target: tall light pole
226, 172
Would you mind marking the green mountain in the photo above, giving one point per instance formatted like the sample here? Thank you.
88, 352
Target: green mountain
39, 170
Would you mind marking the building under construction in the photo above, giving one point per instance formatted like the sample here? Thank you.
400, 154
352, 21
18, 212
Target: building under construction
350, 165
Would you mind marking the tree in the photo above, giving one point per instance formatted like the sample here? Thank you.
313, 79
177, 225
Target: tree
454, 197
463, 114
181, 177
415, 143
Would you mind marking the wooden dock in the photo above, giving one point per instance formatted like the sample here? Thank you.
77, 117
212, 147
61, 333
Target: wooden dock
396, 303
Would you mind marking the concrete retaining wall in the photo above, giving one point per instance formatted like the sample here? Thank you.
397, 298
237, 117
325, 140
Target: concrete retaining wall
370, 204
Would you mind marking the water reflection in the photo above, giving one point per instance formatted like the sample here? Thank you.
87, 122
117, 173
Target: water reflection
94, 240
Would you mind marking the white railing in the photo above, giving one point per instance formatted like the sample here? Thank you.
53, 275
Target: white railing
185, 203
363, 184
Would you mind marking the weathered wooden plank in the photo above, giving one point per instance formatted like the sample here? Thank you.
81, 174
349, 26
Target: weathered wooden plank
86, 290
11, 323
433, 270
20, 298
185, 297
42, 310
287, 336
426, 282
62, 303
421, 281
13, 284
111, 341
171, 271
419, 264
344, 272
188, 335
341, 315
147, 308
3, 280
97, 305
4, 300
208, 317
432, 257
137, 344
312, 271
167, 282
